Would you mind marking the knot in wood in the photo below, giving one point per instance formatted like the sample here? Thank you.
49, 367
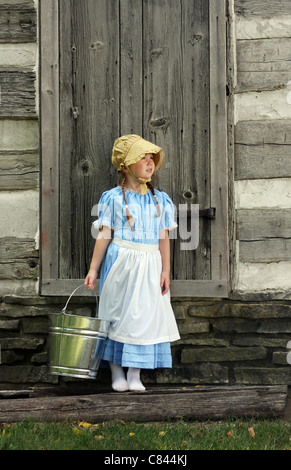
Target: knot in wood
85, 167
188, 194
161, 123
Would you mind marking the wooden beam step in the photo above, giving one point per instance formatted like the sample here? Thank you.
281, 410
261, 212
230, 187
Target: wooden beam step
205, 402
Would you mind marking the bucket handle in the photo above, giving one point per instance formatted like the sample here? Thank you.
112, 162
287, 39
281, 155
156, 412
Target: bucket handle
82, 285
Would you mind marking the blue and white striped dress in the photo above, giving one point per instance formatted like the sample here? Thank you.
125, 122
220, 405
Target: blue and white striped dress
142, 322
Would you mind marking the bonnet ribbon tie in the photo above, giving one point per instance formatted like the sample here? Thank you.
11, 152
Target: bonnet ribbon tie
143, 181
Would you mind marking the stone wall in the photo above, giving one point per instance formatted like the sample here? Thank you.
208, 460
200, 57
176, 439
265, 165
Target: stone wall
222, 342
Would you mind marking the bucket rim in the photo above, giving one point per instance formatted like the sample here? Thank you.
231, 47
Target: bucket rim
77, 316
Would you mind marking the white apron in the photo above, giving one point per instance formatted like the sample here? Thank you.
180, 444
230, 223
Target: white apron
132, 300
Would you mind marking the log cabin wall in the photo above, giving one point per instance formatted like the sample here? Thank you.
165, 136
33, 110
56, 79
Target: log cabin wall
238, 340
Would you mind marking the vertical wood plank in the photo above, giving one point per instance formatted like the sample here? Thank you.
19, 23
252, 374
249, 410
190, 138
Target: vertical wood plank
194, 151
67, 127
163, 95
218, 139
131, 69
49, 132
176, 113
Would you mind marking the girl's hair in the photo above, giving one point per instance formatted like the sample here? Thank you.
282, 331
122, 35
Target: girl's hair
122, 177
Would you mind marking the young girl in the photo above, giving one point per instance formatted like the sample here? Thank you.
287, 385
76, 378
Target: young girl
135, 272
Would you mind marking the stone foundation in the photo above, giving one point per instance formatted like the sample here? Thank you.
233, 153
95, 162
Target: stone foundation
222, 342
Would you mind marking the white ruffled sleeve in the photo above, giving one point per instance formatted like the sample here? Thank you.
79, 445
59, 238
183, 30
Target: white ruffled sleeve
105, 211
168, 216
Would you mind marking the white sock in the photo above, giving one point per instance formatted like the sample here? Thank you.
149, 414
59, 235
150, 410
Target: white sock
119, 382
133, 379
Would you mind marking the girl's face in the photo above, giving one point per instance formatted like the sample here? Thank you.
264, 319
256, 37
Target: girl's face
145, 167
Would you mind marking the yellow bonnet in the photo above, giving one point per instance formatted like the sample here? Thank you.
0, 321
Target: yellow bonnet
129, 149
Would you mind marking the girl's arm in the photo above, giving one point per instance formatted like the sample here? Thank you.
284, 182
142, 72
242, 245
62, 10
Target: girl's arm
101, 245
164, 247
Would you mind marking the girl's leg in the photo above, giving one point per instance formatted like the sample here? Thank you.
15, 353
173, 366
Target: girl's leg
119, 382
133, 379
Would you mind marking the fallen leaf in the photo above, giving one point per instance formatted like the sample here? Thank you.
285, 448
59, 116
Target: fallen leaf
83, 424
229, 434
131, 434
251, 432
162, 433
77, 431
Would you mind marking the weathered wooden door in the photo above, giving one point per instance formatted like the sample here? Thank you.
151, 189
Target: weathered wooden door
143, 67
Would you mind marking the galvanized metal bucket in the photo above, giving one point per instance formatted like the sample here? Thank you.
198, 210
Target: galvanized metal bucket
76, 343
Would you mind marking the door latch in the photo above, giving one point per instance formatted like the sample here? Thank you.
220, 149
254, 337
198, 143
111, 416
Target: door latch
209, 213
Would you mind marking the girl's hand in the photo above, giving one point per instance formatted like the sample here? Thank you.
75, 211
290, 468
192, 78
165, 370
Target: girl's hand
90, 279
165, 282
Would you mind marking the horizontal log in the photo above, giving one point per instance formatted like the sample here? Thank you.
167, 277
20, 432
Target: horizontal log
17, 93
19, 172
265, 251
17, 5
18, 22
12, 248
262, 161
19, 270
263, 64
261, 8
263, 132
262, 149
19, 259
152, 405
261, 81
260, 224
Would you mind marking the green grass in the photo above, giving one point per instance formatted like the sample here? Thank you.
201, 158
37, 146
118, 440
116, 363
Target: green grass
267, 434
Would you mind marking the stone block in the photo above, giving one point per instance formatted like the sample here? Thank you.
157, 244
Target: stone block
179, 311
26, 374
280, 357
237, 325
190, 327
222, 354
21, 343
20, 311
12, 325
260, 340
275, 326
257, 310
263, 375
203, 341
40, 358
200, 374
205, 309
